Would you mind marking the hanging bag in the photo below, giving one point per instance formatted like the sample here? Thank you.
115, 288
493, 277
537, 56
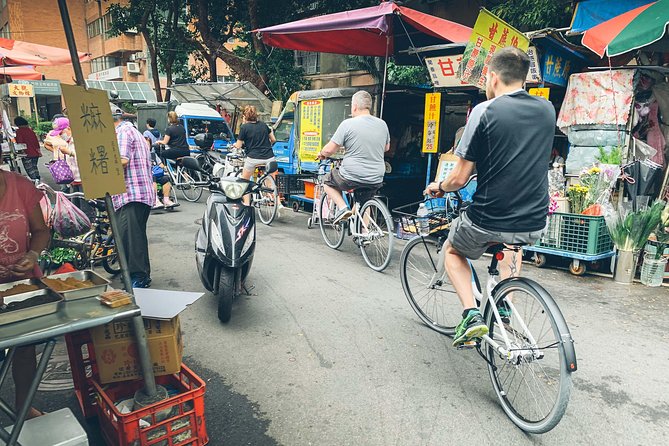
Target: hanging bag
60, 171
69, 220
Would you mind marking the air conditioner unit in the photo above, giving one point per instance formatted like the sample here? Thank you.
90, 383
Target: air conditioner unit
133, 67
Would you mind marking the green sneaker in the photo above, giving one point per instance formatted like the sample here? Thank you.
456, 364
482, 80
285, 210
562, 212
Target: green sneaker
504, 312
471, 327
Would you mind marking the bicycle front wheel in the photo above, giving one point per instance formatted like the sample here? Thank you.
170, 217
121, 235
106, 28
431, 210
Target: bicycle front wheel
377, 238
333, 233
427, 287
532, 382
189, 191
265, 200
110, 260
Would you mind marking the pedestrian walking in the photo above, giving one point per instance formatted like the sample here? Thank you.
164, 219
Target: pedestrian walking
26, 135
134, 206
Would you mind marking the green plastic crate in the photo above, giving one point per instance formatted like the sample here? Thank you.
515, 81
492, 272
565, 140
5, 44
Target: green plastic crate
576, 233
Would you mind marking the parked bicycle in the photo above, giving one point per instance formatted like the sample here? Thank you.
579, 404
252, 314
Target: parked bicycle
370, 227
529, 349
94, 248
183, 180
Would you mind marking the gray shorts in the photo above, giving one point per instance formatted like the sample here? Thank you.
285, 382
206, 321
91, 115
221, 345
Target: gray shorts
250, 164
472, 241
363, 191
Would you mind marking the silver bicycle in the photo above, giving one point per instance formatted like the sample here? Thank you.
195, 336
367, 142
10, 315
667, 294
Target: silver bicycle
529, 349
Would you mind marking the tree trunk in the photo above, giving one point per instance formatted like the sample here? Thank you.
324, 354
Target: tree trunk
154, 65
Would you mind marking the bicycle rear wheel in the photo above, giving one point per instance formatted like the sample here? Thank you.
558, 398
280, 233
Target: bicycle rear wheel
427, 287
533, 383
265, 200
189, 191
332, 233
110, 262
377, 242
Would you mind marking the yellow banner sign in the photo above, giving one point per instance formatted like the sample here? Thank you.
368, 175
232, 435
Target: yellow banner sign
95, 141
431, 123
20, 90
311, 129
541, 92
490, 33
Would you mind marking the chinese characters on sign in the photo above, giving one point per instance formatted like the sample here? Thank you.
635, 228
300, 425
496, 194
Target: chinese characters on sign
94, 141
444, 70
490, 33
541, 92
557, 68
311, 129
431, 124
20, 90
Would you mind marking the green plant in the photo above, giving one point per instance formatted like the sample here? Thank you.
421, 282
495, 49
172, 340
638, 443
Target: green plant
576, 195
612, 157
58, 256
40, 129
661, 233
630, 230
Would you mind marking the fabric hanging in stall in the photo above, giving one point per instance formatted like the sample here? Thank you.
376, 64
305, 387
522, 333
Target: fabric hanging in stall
603, 97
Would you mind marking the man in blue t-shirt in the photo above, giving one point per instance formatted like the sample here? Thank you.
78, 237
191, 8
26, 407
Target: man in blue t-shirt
508, 140
151, 133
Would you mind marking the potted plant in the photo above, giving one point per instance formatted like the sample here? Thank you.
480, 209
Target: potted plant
610, 160
655, 261
629, 232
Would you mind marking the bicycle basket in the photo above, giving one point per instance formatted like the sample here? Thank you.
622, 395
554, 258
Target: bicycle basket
440, 215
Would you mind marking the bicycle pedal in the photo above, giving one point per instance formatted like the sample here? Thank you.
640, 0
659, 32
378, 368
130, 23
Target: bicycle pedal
468, 345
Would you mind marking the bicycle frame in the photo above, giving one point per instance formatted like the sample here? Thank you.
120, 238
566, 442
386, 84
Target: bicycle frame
507, 351
356, 217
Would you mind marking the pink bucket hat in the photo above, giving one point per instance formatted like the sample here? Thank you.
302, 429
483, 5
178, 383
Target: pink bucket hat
59, 125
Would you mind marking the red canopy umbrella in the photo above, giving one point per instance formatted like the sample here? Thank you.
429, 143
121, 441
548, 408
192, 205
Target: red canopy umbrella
16, 52
381, 30
25, 73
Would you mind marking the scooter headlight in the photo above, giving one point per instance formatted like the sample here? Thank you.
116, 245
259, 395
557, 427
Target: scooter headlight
234, 190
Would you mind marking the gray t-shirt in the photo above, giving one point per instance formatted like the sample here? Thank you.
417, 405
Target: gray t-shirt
365, 138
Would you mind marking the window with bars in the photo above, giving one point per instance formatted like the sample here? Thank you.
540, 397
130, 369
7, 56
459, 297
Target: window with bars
309, 61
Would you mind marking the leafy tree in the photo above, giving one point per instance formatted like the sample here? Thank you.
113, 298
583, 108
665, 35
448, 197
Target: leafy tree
268, 69
161, 24
530, 15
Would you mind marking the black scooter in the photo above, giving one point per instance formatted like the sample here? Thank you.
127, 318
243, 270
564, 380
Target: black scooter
225, 243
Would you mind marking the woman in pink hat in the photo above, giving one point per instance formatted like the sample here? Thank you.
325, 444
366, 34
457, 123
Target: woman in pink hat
59, 141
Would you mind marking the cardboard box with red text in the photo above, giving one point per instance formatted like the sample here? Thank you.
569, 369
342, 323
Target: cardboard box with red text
116, 351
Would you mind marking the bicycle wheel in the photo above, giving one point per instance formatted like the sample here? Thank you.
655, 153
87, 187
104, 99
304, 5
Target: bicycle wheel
188, 178
533, 383
110, 262
332, 233
427, 287
377, 242
265, 200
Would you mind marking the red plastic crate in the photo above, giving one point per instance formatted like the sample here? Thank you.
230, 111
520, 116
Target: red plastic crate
82, 363
185, 426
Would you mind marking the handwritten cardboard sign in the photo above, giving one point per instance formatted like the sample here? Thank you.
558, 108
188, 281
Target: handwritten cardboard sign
95, 141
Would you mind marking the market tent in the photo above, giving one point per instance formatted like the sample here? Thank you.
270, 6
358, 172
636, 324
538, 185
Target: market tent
374, 31
630, 31
25, 73
17, 52
589, 13
230, 95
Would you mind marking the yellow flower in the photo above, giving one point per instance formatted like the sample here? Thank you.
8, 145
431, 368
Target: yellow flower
595, 170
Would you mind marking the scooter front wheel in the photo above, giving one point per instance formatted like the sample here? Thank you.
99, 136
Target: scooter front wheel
226, 293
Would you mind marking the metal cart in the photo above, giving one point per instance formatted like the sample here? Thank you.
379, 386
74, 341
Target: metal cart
582, 238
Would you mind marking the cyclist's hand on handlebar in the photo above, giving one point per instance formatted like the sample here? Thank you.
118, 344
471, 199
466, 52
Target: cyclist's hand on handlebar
433, 190
321, 157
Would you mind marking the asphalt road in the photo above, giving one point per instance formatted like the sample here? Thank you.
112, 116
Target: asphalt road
324, 351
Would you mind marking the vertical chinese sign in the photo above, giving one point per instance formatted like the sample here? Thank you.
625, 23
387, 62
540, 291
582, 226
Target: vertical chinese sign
311, 129
431, 124
94, 141
490, 33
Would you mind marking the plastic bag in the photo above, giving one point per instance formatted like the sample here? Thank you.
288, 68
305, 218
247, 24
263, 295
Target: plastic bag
45, 206
69, 220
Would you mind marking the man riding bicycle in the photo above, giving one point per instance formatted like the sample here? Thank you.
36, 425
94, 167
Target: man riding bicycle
366, 139
508, 140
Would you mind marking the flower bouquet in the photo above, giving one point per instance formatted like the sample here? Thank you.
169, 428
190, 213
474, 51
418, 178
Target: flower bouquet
576, 195
599, 182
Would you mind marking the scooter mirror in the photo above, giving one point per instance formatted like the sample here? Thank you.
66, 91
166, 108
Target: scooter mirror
191, 163
271, 167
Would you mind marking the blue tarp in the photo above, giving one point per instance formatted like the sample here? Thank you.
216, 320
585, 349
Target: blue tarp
591, 13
